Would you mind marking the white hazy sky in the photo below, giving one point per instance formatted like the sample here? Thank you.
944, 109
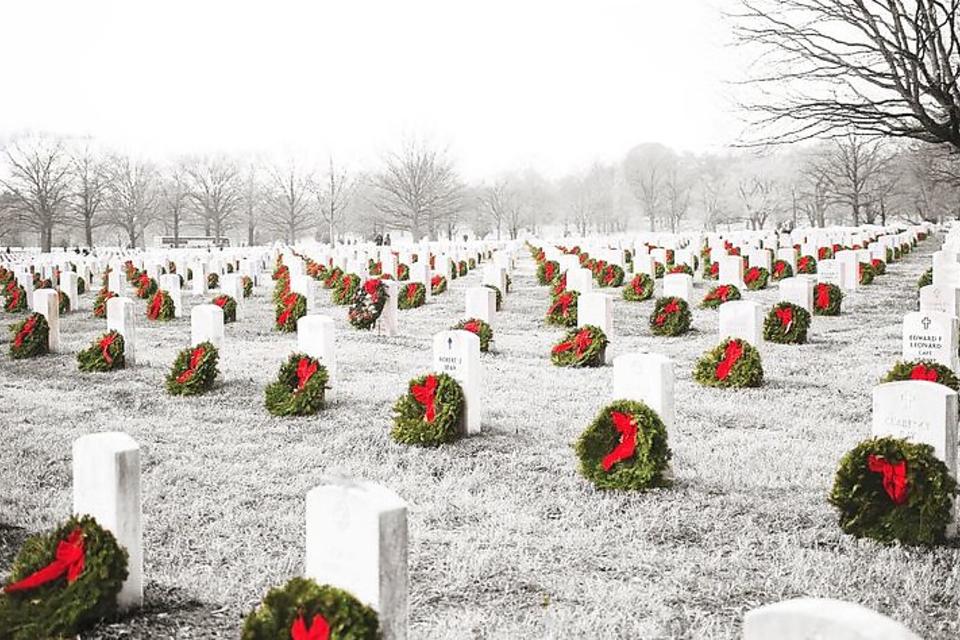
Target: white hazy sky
504, 84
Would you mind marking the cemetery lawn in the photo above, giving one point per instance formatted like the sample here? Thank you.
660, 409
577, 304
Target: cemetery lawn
506, 539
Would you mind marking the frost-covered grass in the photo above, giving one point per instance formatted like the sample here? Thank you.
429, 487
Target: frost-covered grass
506, 540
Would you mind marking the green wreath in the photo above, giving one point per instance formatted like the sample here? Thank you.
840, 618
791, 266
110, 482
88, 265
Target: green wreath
682, 268
303, 599
471, 263
711, 270
81, 286
345, 289
826, 299
559, 285
299, 389
893, 254
100, 302
332, 278
194, 370
734, 363
374, 268
434, 418
824, 253
462, 268
15, 298
720, 294
229, 306
412, 296
866, 273
611, 275
161, 307
806, 264
639, 289
291, 308
879, 267
478, 327
281, 290
403, 271
229, 267
582, 347
31, 337
786, 323
926, 278
670, 317
213, 281
563, 310
781, 270
755, 278
499, 295
368, 304
606, 456
247, 284
105, 354
281, 272
911, 503
547, 270
146, 286
62, 608
923, 370
658, 270
438, 285
63, 302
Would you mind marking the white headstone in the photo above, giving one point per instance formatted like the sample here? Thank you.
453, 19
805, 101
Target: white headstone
457, 354
919, 411
731, 270
821, 618
387, 323
481, 303
742, 319
68, 284
647, 378
47, 303
206, 325
316, 337
679, 285
597, 309
798, 291
171, 284
930, 336
122, 319
940, 298
831, 272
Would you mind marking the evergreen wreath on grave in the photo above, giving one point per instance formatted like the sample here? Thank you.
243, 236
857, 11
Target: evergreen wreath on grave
213, 281
30, 337
824, 253
499, 295
247, 283
921, 236
670, 317
345, 289
462, 267
559, 285
100, 302
281, 289
640, 288
5, 275
304, 610
865, 272
718, 295
413, 295
786, 323
105, 354
189, 274
923, 370
879, 267
806, 264
299, 389
582, 347
889, 489
625, 447
733, 363
611, 275
926, 278
161, 307
682, 268
194, 370
827, 298
438, 285
755, 278
282, 272
781, 269
146, 286
368, 304
229, 306
130, 271
658, 270
374, 267
291, 308
478, 327
508, 282
332, 278
15, 297
563, 310
81, 286
711, 271
403, 271
429, 413
893, 254
471, 263
547, 270
63, 582
63, 302
229, 267
41, 283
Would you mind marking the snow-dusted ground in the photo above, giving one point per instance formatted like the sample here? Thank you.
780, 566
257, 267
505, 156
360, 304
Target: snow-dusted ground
506, 540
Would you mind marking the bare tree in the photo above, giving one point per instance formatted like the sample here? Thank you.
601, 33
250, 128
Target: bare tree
645, 167
214, 186
418, 190
813, 195
90, 192
252, 200
497, 200
886, 67
760, 199
854, 164
290, 197
677, 195
712, 189
335, 192
173, 201
38, 185
133, 197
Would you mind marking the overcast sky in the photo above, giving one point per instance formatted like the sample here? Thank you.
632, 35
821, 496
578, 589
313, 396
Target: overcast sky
504, 84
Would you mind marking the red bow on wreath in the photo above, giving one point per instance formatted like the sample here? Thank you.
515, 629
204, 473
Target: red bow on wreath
25, 331
638, 286
823, 296
220, 301
289, 302
548, 271
472, 326
435, 281
581, 342
670, 307
411, 291
610, 275
68, 560
195, 357
105, 343
753, 273
894, 476
319, 629
626, 426
720, 293
730, 356
785, 315
305, 371
778, 267
155, 305
921, 372
563, 303
371, 287
715, 269
425, 394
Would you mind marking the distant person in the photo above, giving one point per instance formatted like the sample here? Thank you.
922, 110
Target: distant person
378, 240
386, 241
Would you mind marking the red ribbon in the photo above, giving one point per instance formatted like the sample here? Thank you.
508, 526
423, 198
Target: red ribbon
823, 296
411, 291
472, 326
563, 303
581, 342
804, 262
105, 343
608, 278
548, 271
435, 281
626, 426
289, 301
638, 286
155, 306
25, 331
894, 476
785, 314
720, 293
305, 371
752, 274
319, 629
68, 560
730, 356
671, 307
921, 372
371, 287
425, 394
195, 358
220, 301
778, 267
715, 269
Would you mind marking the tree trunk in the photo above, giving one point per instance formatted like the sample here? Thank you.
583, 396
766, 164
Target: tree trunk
88, 231
250, 233
46, 238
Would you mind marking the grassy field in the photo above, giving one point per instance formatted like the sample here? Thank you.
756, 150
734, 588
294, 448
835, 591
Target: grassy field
506, 540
